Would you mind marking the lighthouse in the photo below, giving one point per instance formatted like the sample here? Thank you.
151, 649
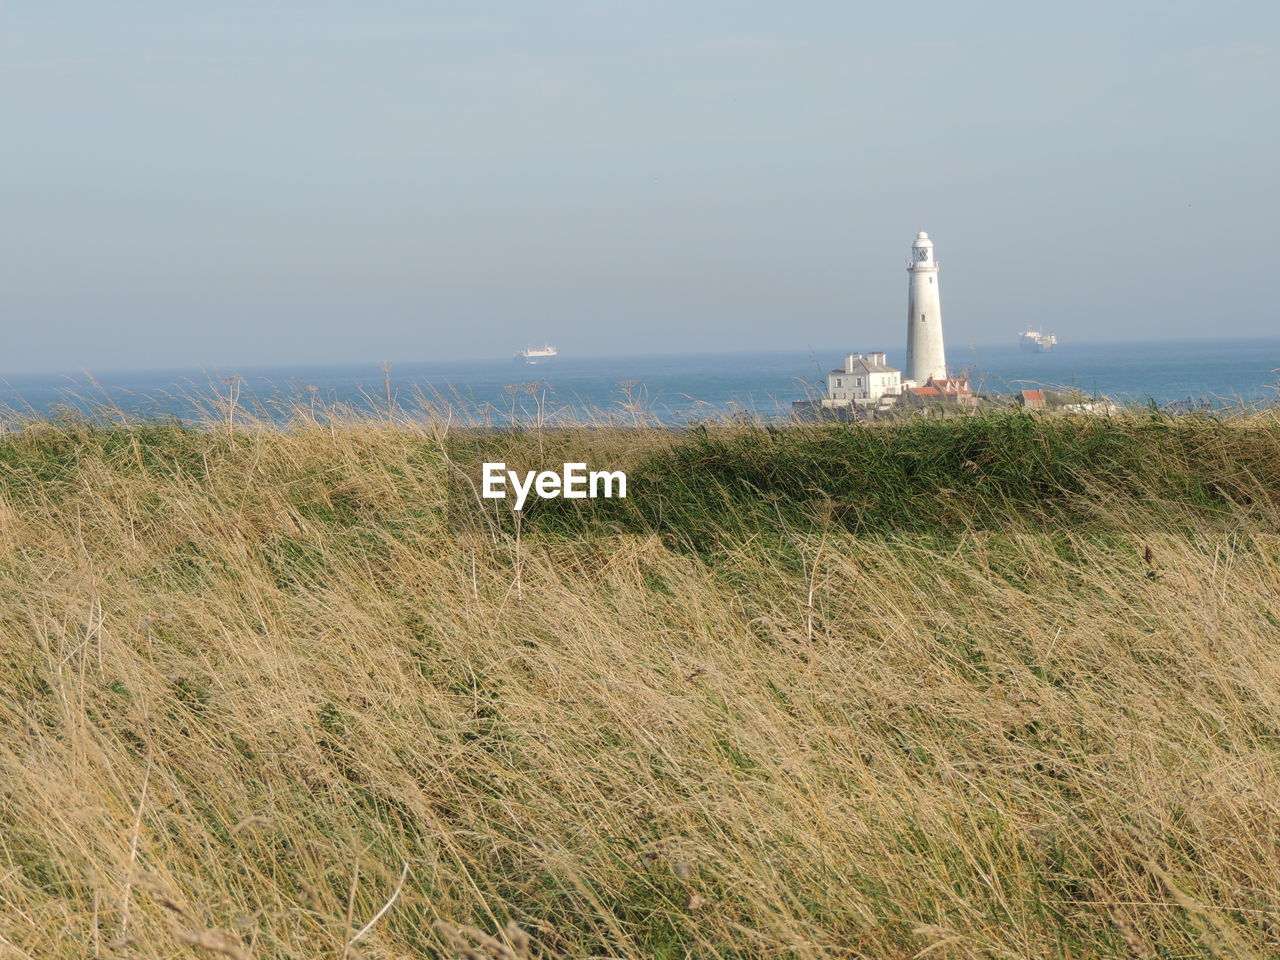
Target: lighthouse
925, 355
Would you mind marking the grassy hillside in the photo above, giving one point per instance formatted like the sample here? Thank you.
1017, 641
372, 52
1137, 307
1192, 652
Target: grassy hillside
1000, 687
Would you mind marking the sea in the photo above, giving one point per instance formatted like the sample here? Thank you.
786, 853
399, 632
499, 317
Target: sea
1176, 375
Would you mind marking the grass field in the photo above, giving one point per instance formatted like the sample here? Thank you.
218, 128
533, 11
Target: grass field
998, 686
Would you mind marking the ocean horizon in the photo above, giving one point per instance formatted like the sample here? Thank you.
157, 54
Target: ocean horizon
668, 387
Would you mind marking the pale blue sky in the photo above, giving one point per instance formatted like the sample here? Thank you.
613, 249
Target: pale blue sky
240, 183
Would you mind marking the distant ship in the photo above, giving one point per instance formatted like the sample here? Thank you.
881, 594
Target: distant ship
532, 355
1034, 341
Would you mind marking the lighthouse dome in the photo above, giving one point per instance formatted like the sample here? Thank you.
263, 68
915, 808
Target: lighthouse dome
922, 252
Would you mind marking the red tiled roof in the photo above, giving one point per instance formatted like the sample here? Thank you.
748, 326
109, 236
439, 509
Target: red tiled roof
941, 387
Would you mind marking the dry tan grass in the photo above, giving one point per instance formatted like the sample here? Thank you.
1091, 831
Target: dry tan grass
248, 691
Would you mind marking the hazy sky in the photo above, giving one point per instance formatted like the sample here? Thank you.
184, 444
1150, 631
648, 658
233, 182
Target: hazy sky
270, 181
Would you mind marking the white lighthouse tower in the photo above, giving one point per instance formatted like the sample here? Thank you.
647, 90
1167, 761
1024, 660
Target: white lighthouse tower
925, 355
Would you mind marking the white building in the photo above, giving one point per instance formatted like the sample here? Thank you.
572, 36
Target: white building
926, 358
863, 382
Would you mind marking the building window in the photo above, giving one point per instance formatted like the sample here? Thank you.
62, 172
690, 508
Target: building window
922, 318
839, 382
858, 382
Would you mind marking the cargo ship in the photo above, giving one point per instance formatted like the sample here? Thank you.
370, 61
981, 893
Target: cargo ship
1036, 341
532, 355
